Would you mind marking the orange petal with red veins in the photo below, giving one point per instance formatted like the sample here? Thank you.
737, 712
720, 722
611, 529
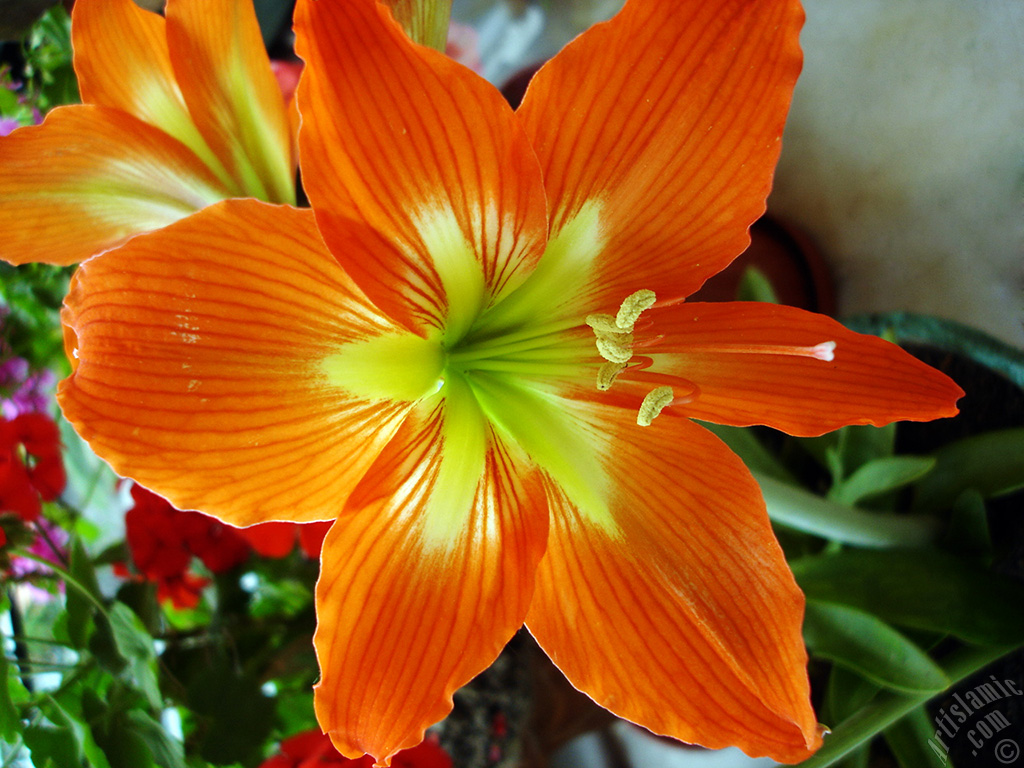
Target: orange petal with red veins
225, 78
677, 611
666, 121
122, 61
198, 356
868, 381
423, 580
423, 150
88, 179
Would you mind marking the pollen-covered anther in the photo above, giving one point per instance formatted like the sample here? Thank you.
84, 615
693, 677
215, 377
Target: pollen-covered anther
654, 403
607, 373
615, 348
615, 334
633, 306
605, 324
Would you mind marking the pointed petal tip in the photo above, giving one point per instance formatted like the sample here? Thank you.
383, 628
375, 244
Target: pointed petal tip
750, 362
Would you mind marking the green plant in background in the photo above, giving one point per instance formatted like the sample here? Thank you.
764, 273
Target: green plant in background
47, 79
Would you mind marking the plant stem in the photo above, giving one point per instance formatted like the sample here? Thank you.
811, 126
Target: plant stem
20, 649
66, 576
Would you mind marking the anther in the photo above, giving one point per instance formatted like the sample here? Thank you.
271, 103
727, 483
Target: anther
604, 324
615, 350
632, 306
615, 335
655, 402
606, 375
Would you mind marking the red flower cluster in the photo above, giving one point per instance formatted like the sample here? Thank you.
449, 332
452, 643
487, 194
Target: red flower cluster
313, 749
31, 467
163, 540
278, 539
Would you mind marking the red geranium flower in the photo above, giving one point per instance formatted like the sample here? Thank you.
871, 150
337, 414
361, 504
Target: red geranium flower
31, 467
311, 749
163, 540
278, 539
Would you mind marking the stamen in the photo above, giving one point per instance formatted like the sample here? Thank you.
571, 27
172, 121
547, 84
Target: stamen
655, 402
603, 324
632, 306
606, 375
615, 335
615, 350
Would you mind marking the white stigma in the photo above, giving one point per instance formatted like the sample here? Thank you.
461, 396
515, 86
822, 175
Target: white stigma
825, 351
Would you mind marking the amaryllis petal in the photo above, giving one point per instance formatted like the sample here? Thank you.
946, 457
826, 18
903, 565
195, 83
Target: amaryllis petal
225, 78
89, 178
424, 151
425, 577
198, 355
658, 132
679, 612
122, 61
793, 370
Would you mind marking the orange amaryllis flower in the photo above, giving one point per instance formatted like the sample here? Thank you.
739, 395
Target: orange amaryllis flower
451, 353
178, 114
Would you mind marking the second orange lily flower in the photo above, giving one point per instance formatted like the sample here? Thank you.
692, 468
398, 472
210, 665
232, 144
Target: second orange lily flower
178, 113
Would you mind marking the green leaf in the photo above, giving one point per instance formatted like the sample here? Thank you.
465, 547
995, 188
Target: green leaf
801, 510
10, 716
861, 443
57, 745
9, 106
53, 746
167, 751
858, 758
136, 645
920, 589
282, 597
122, 746
911, 740
236, 716
864, 644
822, 449
755, 286
887, 707
991, 463
845, 694
132, 639
744, 443
880, 476
104, 647
80, 607
968, 532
